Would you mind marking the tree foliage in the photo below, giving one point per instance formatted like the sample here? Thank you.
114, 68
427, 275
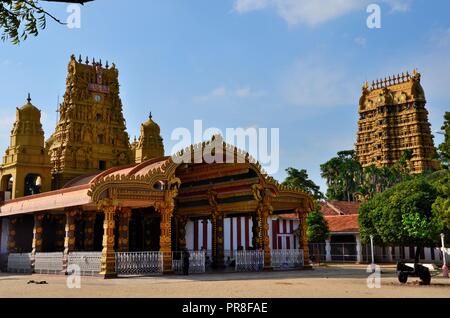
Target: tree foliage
343, 176
22, 18
318, 230
444, 148
347, 180
441, 206
402, 215
300, 179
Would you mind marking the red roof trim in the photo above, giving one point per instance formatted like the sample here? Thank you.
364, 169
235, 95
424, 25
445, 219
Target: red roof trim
47, 194
147, 163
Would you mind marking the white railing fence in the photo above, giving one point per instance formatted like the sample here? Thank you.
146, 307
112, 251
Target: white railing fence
88, 262
139, 263
19, 263
196, 261
46, 263
249, 261
285, 259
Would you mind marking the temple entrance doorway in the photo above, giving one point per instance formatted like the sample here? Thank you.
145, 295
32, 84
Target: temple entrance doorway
24, 233
144, 231
52, 233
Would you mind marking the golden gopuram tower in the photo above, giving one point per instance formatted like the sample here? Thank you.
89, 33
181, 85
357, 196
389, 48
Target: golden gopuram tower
91, 133
392, 119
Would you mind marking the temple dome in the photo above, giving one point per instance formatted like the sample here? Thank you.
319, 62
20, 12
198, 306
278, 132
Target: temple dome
151, 125
29, 111
150, 144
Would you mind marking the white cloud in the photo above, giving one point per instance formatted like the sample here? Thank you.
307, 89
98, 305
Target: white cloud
242, 6
312, 84
248, 92
399, 5
222, 91
314, 12
215, 93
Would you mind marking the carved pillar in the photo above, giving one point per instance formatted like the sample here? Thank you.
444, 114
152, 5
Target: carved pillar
37, 237
256, 241
12, 248
124, 225
108, 268
217, 238
181, 228
89, 226
265, 240
165, 210
69, 239
165, 240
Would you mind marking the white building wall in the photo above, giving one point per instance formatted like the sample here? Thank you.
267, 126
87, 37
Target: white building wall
190, 235
238, 224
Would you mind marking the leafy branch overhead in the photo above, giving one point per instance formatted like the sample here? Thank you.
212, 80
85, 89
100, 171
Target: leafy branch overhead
22, 18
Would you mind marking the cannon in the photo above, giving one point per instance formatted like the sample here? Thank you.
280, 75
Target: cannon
404, 271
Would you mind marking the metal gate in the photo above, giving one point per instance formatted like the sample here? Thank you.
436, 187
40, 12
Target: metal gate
284, 259
19, 263
139, 263
249, 261
90, 263
196, 261
46, 263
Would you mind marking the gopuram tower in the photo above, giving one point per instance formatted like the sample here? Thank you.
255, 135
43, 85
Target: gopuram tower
393, 119
91, 133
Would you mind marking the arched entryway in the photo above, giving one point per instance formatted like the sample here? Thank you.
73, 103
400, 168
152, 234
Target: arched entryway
33, 183
7, 184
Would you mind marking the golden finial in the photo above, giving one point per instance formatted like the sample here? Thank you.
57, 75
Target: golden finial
365, 85
414, 73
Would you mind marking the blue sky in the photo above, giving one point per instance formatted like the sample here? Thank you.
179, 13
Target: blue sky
297, 65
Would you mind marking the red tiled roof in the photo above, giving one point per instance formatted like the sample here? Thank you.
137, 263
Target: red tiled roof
339, 208
343, 223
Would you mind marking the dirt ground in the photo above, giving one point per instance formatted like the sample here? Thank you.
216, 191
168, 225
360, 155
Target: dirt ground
329, 281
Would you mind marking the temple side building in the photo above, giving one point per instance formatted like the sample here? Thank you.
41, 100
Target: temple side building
392, 119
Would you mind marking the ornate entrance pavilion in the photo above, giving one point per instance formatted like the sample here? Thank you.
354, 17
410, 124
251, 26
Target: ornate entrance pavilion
127, 210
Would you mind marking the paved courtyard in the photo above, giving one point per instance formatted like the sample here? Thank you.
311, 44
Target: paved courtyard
330, 281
